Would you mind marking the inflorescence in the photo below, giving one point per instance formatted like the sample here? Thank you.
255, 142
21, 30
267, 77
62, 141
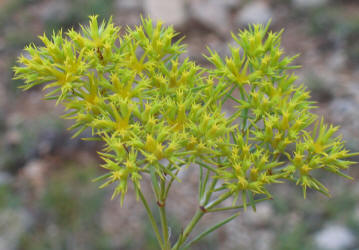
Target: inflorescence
158, 114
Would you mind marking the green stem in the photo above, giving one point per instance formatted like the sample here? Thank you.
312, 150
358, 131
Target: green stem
170, 184
228, 94
162, 203
234, 207
166, 242
206, 166
245, 111
189, 229
210, 191
221, 198
199, 214
150, 216
210, 230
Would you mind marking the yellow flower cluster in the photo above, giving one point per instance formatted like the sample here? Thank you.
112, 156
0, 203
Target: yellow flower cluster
158, 113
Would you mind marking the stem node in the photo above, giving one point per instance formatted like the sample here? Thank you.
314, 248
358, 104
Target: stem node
161, 204
203, 209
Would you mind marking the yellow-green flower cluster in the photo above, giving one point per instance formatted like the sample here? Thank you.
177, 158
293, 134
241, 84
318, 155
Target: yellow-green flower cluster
157, 113
272, 142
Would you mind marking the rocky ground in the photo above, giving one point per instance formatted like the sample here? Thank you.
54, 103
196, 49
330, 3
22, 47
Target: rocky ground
47, 199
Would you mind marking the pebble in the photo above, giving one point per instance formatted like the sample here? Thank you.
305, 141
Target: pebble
334, 237
34, 172
266, 237
255, 12
170, 12
212, 14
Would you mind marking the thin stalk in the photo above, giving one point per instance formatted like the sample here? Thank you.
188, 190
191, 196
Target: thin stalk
234, 99
245, 111
162, 203
189, 228
206, 166
164, 225
221, 198
195, 219
210, 191
200, 185
150, 216
204, 185
234, 207
210, 230
170, 184
228, 94
163, 190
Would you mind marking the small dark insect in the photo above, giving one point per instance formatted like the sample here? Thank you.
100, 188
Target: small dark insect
270, 172
103, 92
99, 54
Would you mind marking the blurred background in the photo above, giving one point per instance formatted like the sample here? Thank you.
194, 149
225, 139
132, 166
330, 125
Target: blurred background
47, 198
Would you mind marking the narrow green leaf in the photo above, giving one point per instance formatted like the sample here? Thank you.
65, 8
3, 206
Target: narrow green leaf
210, 230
